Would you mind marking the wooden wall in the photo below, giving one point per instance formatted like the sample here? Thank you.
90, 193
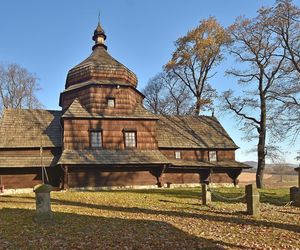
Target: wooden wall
28, 177
199, 155
76, 133
82, 177
94, 99
87, 177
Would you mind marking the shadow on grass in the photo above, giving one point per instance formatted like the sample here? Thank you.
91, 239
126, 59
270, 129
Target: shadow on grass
273, 197
217, 217
79, 231
192, 193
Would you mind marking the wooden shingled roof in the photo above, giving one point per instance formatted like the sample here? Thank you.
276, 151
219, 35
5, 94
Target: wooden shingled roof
208, 164
19, 161
112, 157
30, 128
192, 132
100, 65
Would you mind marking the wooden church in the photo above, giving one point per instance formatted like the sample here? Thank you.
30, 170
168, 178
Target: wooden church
103, 136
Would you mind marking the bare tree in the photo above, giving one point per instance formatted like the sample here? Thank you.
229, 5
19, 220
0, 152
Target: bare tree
286, 25
18, 87
195, 56
180, 99
155, 95
257, 49
165, 96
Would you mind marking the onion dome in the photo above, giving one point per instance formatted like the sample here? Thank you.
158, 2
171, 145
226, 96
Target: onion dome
100, 67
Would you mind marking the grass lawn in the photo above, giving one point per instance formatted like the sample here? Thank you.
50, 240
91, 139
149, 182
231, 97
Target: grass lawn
149, 219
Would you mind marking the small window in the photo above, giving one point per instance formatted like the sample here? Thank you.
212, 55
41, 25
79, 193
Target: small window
111, 102
96, 139
130, 139
212, 156
177, 155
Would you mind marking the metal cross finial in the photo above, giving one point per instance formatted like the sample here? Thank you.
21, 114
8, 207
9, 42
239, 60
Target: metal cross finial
99, 17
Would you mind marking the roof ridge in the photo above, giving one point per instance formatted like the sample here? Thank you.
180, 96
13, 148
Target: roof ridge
27, 109
193, 116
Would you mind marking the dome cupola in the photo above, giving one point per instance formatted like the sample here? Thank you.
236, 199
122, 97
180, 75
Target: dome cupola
99, 37
100, 67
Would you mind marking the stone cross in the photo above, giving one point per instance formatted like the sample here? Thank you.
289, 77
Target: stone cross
43, 204
252, 199
206, 194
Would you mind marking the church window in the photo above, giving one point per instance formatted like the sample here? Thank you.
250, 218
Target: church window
177, 155
130, 139
96, 139
212, 155
111, 102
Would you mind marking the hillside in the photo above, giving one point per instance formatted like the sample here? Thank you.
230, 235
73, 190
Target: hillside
278, 168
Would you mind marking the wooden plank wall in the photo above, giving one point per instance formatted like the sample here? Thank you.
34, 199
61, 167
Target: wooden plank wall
28, 177
76, 133
94, 99
96, 178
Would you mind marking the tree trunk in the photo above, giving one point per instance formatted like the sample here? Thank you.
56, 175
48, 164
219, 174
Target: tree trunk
261, 153
261, 162
198, 106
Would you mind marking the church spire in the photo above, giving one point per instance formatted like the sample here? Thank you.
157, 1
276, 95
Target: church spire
99, 35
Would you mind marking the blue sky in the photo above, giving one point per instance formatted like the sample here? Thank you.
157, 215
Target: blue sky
50, 37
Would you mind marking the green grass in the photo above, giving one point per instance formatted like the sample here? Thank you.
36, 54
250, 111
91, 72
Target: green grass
149, 219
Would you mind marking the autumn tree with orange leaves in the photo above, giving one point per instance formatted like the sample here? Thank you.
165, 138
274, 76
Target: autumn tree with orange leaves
195, 56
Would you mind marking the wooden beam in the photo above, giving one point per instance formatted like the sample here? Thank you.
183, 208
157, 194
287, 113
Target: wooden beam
205, 176
234, 174
158, 173
65, 178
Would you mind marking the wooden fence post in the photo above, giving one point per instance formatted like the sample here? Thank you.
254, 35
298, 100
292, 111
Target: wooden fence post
206, 194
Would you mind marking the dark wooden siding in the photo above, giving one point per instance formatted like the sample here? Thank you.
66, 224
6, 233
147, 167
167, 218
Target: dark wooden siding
96, 178
94, 99
83, 177
76, 133
28, 177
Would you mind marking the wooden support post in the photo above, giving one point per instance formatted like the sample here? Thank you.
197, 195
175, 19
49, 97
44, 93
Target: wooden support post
65, 178
204, 176
252, 199
1, 185
234, 174
299, 178
159, 174
206, 194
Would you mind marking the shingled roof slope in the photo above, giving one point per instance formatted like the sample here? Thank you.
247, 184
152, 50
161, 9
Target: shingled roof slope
209, 164
192, 132
29, 128
112, 157
100, 65
20, 161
